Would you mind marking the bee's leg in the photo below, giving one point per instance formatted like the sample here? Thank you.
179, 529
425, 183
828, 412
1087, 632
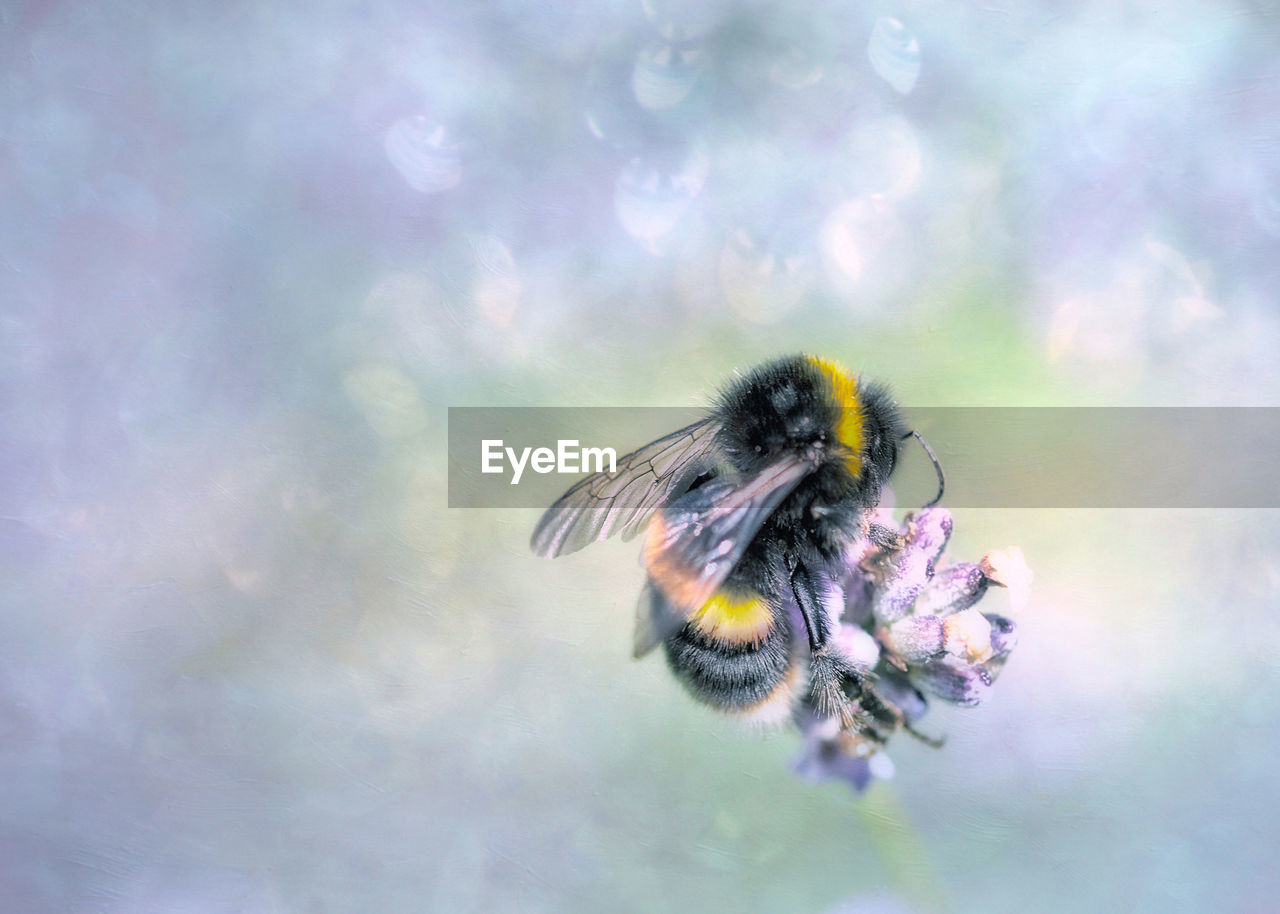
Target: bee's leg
886, 538
827, 670
935, 742
882, 711
885, 712
809, 595
870, 739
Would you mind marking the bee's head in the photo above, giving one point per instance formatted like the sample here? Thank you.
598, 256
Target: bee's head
783, 407
808, 406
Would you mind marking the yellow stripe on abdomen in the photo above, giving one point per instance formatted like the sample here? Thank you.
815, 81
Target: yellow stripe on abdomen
844, 396
735, 617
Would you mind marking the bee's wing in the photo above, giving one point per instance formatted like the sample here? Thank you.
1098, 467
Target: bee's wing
603, 504
695, 541
657, 619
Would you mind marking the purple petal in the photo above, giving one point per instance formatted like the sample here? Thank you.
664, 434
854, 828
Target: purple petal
1004, 635
1004, 638
823, 760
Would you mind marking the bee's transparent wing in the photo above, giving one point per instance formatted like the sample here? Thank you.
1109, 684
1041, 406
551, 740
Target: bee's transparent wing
695, 541
603, 504
657, 619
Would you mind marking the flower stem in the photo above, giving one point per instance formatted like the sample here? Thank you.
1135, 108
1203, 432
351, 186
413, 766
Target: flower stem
902, 852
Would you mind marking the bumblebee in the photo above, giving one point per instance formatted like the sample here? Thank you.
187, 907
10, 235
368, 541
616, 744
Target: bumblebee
749, 516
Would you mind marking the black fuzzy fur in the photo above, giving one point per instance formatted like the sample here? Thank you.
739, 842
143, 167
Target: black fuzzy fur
733, 677
786, 407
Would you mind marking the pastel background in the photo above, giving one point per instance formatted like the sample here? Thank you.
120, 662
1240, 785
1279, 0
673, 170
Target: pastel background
251, 251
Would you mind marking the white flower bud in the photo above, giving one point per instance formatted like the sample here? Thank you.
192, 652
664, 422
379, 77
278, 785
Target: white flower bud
967, 635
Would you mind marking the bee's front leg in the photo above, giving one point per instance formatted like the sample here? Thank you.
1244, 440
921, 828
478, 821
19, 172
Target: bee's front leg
887, 539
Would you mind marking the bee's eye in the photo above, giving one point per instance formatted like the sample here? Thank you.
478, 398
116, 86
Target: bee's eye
759, 449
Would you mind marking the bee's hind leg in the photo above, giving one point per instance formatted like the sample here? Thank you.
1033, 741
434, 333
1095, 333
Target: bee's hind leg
828, 669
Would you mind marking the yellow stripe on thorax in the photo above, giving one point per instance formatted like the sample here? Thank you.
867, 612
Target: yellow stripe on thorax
844, 394
735, 617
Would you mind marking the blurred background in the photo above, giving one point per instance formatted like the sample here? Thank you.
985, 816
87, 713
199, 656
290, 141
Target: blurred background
251, 252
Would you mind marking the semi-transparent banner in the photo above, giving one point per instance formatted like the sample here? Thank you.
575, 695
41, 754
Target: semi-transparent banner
994, 457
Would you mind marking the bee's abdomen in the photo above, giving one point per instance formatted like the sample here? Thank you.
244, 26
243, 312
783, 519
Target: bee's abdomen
756, 678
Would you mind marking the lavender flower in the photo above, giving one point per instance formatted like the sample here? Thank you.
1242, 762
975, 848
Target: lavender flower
914, 627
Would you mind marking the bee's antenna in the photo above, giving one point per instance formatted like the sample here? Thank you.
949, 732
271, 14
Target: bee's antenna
942, 479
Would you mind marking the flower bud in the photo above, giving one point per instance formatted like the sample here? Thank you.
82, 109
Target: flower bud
1004, 638
954, 681
967, 635
857, 646
927, 536
917, 639
929, 532
1008, 568
952, 589
1004, 635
